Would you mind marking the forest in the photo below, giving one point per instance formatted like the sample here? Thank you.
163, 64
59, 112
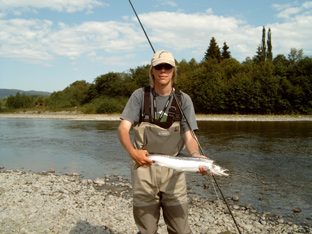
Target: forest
218, 84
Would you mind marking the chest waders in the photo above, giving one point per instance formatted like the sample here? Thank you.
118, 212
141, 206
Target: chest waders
159, 187
159, 137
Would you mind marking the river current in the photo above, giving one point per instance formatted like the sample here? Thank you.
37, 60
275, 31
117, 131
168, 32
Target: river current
270, 163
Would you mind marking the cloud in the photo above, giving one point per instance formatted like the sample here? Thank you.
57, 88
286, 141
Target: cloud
168, 2
25, 40
115, 60
43, 41
287, 13
307, 5
293, 33
290, 10
192, 32
280, 7
39, 41
181, 31
209, 11
69, 6
2, 15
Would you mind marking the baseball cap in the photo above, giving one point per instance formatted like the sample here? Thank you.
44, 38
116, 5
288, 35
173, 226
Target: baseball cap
163, 56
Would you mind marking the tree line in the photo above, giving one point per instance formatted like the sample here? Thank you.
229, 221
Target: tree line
217, 84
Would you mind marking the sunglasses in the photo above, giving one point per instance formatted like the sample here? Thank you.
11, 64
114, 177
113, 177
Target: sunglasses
165, 65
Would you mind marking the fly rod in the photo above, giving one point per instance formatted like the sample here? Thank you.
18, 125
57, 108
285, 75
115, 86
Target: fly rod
188, 124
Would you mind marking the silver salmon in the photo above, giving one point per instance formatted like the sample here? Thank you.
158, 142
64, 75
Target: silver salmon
190, 164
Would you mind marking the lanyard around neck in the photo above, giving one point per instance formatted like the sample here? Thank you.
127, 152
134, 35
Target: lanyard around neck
163, 111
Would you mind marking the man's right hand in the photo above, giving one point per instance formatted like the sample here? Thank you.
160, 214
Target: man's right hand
140, 157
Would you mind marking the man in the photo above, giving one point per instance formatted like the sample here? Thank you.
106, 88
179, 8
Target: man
159, 129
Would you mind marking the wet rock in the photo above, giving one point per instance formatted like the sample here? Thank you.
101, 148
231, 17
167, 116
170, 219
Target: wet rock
206, 186
297, 210
235, 198
248, 227
280, 220
99, 181
52, 170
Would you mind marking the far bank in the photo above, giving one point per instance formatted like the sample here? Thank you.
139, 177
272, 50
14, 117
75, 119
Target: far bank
115, 117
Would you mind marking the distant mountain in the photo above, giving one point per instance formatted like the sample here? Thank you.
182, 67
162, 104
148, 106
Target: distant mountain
7, 92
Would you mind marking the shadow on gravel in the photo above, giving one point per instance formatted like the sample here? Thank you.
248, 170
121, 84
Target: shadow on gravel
83, 226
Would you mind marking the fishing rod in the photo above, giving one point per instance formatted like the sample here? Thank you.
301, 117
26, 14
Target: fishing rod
188, 124
142, 26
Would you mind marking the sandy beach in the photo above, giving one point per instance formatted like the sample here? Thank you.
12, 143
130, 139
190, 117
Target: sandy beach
115, 117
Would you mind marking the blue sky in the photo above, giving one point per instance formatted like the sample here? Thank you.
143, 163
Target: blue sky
47, 45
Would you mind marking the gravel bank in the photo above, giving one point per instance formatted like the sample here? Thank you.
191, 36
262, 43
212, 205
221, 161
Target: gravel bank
49, 203
114, 117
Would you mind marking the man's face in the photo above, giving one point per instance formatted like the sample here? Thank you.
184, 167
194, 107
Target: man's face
163, 74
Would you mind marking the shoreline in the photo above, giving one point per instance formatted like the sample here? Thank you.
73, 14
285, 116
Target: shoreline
48, 203
69, 115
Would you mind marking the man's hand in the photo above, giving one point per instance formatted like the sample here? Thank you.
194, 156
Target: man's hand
140, 157
201, 170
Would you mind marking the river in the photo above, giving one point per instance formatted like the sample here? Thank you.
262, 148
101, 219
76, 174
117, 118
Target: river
270, 163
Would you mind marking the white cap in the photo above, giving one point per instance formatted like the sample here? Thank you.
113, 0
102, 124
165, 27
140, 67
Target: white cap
163, 56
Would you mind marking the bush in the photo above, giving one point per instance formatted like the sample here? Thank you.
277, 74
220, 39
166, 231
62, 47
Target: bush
105, 105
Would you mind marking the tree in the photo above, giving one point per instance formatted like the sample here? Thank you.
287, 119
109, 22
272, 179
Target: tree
258, 57
78, 91
192, 63
295, 55
110, 84
213, 51
225, 53
262, 49
76, 94
264, 52
230, 68
269, 44
140, 75
19, 101
281, 65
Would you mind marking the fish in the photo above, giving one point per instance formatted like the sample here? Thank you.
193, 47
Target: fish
187, 164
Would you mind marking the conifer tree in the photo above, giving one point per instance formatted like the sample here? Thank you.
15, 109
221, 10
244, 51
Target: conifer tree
269, 44
213, 51
264, 53
258, 57
225, 53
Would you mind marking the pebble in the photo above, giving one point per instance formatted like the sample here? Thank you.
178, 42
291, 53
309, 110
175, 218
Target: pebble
235, 198
47, 203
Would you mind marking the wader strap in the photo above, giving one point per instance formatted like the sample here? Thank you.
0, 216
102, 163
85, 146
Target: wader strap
174, 112
146, 116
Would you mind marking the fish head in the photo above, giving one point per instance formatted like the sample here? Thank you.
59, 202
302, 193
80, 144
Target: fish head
217, 170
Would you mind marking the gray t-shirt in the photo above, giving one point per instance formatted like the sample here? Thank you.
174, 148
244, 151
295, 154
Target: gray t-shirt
135, 105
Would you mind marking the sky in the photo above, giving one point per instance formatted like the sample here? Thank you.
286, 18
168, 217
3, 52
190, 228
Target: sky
46, 45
